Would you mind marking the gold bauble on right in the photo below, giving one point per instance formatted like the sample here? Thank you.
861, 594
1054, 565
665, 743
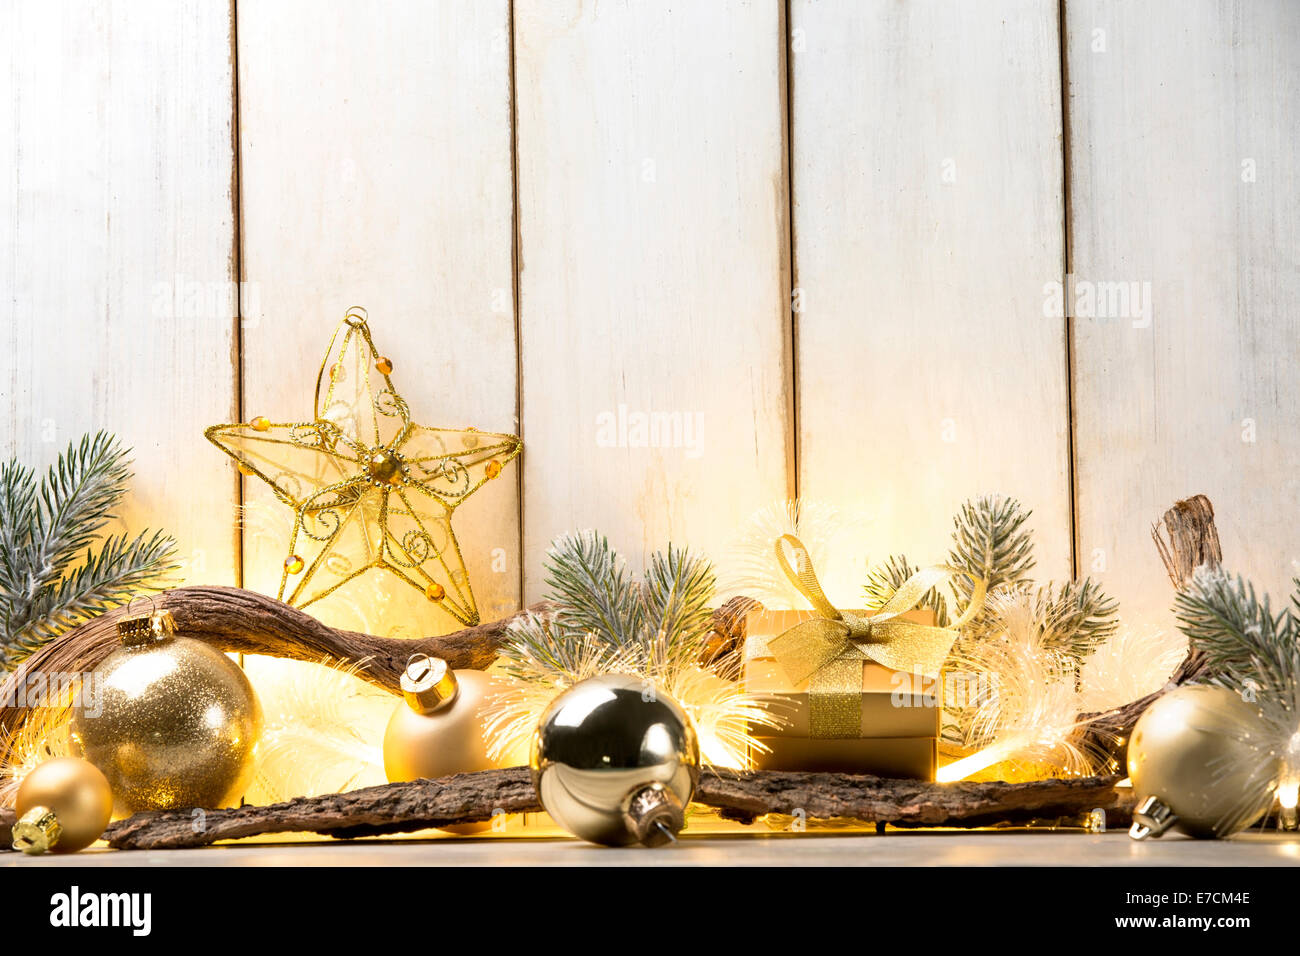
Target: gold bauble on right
1197, 761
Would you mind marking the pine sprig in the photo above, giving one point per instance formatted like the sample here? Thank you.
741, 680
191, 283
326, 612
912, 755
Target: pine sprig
51, 576
588, 579
1077, 617
675, 600
883, 582
990, 541
1237, 631
607, 614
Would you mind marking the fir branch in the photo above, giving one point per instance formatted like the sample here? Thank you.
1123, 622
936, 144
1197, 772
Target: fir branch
1076, 618
989, 541
675, 601
107, 578
883, 582
588, 579
47, 583
1241, 638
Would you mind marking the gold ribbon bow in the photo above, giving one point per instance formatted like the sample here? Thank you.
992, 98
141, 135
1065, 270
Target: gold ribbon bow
829, 650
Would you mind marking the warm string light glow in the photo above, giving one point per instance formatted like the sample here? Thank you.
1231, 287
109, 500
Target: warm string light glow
1128, 666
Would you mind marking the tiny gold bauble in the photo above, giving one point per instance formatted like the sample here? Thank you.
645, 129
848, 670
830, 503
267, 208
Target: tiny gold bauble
384, 365
493, 468
63, 806
261, 423
293, 564
435, 592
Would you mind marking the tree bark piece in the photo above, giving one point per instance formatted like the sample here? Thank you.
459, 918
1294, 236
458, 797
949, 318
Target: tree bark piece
1193, 542
910, 803
7, 820
473, 797
1193, 539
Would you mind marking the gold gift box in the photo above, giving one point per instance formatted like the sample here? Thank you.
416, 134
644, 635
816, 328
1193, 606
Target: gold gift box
905, 758
900, 712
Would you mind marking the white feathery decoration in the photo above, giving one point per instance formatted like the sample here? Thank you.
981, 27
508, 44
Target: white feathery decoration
1128, 666
749, 567
323, 731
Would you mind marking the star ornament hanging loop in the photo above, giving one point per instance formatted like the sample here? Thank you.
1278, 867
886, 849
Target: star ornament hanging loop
370, 489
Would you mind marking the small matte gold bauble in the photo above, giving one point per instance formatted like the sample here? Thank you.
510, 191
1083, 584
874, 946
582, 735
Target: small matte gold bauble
1197, 761
438, 730
169, 720
63, 806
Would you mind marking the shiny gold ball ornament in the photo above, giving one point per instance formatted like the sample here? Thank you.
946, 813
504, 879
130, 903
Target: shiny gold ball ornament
615, 762
170, 721
63, 805
1198, 761
438, 729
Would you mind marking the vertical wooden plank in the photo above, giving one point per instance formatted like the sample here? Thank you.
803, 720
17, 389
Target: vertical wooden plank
653, 291
116, 239
376, 171
1186, 230
927, 182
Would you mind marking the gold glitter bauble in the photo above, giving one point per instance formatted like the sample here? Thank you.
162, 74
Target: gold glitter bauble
63, 806
171, 722
1198, 761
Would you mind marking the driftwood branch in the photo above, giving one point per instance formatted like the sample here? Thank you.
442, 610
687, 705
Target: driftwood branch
1190, 541
244, 622
7, 818
472, 797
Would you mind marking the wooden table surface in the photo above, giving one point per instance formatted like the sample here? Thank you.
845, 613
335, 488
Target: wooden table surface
934, 848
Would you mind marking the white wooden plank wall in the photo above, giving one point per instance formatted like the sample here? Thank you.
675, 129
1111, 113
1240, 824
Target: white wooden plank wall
1186, 193
587, 222
376, 171
116, 240
928, 217
653, 317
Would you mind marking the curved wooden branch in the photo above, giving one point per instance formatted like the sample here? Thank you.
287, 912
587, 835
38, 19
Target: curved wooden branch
244, 622
472, 797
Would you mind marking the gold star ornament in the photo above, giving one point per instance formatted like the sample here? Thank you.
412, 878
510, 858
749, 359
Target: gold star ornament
369, 488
